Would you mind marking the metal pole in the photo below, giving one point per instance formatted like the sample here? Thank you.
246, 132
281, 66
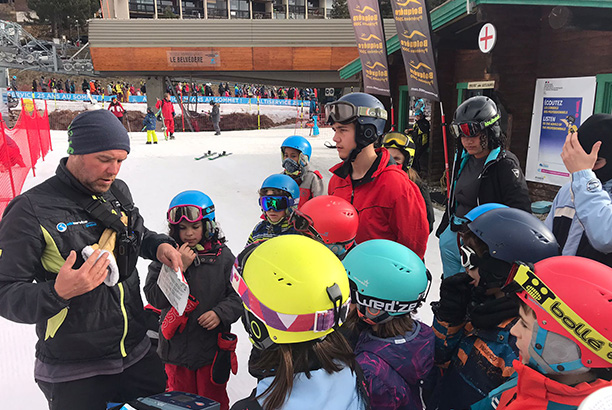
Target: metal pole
445, 151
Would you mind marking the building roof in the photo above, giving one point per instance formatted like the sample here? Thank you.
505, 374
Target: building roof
454, 9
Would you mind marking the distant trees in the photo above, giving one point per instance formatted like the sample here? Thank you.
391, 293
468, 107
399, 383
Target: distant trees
61, 15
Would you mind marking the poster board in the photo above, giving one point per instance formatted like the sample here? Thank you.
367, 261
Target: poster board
558, 103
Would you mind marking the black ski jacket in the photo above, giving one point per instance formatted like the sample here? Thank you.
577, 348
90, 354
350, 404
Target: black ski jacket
38, 230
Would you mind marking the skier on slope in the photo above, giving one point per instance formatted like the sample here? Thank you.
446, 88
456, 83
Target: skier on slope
167, 110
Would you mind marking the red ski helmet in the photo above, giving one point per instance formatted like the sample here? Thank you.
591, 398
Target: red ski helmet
572, 300
327, 218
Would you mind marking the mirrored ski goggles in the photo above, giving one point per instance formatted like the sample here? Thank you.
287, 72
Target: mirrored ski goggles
305, 225
471, 129
319, 321
191, 213
395, 139
345, 112
469, 258
275, 203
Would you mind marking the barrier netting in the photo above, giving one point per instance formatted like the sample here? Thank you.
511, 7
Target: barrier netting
20, 149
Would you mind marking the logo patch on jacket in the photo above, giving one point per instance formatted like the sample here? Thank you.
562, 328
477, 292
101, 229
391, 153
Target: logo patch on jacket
516, 172
63, 226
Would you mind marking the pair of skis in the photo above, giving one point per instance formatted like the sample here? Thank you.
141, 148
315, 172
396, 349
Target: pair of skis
213, 155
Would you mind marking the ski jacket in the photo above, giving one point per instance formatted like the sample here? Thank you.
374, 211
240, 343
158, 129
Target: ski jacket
501, 181
581, 215
431, 217
531, 390
265, 230
310, 183
116, 109
37, 232
394, 367
215, 114
209, 282
167, 109
389, 204
322, 391
474, 362
149, 122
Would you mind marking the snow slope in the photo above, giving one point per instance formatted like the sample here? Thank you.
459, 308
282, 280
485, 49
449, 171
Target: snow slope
155, 173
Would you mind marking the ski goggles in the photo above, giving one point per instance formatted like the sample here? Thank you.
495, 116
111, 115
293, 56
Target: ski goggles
471, 129
345, 112
275, 203
304, 225
396, 139
469, 258
191, 213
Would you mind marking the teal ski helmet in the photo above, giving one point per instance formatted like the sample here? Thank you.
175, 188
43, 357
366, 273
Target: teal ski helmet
387, 280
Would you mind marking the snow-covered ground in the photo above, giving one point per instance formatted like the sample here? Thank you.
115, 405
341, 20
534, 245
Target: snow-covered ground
155, 173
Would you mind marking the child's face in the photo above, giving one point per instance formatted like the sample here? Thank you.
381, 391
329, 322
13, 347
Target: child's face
291, 153
191, 232
274, 216
523, 330
398, 156
344, 137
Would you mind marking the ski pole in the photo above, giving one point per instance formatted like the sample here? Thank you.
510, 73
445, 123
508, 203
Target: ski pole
445, 151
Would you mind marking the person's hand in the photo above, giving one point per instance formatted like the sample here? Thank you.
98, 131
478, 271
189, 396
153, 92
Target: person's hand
170, 256
574, 157
455, 295
209, 320
70, 283
187, 255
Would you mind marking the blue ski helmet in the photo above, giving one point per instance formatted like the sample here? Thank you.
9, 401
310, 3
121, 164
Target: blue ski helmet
511, 235
282, 182
195, 198
481, 209
387, 280
301, 144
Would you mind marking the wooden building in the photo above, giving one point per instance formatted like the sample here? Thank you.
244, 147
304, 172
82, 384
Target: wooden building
535, 39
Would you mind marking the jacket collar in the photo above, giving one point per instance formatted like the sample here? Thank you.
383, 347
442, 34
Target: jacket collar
384, 159
66, 177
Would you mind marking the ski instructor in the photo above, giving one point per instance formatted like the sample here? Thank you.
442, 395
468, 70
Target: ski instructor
69, 248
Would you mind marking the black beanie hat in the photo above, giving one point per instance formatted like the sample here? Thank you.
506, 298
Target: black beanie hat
598, 127
96, 131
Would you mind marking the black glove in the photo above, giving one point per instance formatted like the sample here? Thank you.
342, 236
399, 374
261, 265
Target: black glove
491, 313
455, 295
225, 358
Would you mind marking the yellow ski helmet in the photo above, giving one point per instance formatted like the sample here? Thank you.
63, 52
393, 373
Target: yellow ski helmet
293, 290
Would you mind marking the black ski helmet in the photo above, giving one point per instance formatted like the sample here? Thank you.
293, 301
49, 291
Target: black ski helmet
477, 114
598, 127
367, 127
511, 235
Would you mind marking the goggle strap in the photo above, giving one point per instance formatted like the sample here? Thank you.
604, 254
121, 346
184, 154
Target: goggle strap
372, 112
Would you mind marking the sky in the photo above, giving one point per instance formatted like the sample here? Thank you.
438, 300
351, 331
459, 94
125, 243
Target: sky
155, 174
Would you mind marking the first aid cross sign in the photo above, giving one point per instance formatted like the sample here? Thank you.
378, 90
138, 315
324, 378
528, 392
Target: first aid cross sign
487, 38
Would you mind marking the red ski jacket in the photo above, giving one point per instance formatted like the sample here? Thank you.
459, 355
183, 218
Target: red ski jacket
167, 109
390, 205
534, 391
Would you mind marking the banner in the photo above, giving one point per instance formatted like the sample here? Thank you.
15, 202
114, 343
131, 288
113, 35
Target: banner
372, 46
414, 34
559, 104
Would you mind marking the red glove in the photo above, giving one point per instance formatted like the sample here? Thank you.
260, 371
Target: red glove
173, 321
225, 358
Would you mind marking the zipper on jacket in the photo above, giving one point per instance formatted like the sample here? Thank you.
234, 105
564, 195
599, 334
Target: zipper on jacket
125, 319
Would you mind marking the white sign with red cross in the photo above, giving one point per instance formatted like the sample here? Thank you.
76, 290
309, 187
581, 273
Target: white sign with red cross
487, 38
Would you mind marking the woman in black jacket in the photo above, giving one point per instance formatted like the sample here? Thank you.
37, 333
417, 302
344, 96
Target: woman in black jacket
483, 172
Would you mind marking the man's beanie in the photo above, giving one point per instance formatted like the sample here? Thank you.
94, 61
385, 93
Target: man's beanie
598, 127
96, 131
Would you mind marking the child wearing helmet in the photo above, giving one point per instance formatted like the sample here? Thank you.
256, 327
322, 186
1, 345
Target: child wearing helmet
420, 135
389, 282
295, 294
402, 148
279, 197
295, 155
472, 320
192, 345
563, 335
330, 220
390, 206
149, 123
483, 172
581, 214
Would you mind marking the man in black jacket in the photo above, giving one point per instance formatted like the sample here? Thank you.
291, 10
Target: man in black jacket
69, 248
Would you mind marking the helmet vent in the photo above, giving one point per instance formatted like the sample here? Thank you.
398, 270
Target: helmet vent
401, 268
282, 279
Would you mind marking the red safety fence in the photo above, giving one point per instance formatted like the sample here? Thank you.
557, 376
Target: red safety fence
20, 149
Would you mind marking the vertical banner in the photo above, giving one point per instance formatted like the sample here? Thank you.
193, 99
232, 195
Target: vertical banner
560, 104
414, 34
367, 23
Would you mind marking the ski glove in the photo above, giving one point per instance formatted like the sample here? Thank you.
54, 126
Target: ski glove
173, 321
225, 358
455, 295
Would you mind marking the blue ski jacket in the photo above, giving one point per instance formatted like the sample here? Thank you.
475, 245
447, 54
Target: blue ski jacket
149, 122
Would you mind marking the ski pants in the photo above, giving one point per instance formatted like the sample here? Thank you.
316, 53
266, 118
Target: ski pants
169, 123
449, 253
216, 127
197, 382
151, 133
